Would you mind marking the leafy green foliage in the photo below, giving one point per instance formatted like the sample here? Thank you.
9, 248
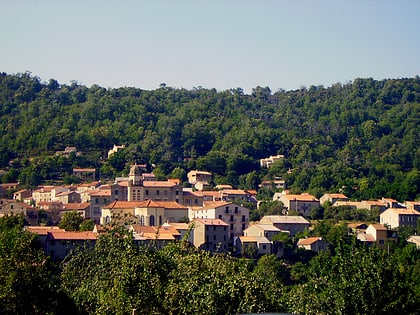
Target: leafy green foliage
71, 221
360, 137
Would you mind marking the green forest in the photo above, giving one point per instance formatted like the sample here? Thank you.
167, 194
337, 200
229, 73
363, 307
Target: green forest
118, 277
360, 138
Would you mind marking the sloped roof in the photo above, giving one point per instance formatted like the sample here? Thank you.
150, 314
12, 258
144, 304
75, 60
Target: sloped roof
309, 240
266, 227
76, 206
303, 197
212, 222
43, 230
401, 211
72, 235
158, 184
284, 219
214, 204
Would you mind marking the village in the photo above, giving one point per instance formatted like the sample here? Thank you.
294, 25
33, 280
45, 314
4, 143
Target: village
211, 218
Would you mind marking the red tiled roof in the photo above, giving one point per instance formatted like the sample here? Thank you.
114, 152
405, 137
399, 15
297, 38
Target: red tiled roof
302, 197
309, 240
72, 235
76, 206
212, 222
158, 184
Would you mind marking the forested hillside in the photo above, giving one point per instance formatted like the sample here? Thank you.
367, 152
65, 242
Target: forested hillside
361, 137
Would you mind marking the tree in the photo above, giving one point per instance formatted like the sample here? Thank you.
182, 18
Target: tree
87, 225
71, 221
28, 284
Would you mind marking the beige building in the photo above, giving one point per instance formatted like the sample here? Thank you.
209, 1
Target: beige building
266, 230
377, 234
253, 246
332, 198
146, 213
237, 217
210, 234
300, 203
196, 176
8, 207
192, 198
267, 162
67, 197
293, 224
136, 188
315, 244
394, 218
97, 199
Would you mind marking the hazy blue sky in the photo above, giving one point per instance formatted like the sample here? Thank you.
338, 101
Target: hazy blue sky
218, 44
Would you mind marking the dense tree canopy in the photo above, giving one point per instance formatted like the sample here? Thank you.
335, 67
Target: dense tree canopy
360, 137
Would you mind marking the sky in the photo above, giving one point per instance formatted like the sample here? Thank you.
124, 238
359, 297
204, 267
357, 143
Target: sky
221, 44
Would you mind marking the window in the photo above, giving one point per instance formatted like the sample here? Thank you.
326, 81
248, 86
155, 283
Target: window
227, 210
232, 227
381, 242
236, 210
146, 193
152, 220
160, 220
264, 246
157, 192
116, 192
220, 217
97, 200
243, 227
214, 228
142, 220
231, 218
196, 201
243, 218
177, 192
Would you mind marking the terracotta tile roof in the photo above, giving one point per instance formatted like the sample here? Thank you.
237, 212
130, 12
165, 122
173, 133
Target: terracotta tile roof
214, 204
248, 239
402, 211
158, 184
212, 222
76, 206
170, 205
84, 170
72, 235
285, 219
309, 240
266, 227
378, 227
100, 193
300, 197
187, 193
337, 196
123, 204
43, 230
211, 193
180, 226
233, 192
